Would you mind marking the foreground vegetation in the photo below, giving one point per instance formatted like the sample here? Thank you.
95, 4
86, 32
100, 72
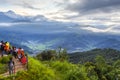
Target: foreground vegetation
3, 64
51, 66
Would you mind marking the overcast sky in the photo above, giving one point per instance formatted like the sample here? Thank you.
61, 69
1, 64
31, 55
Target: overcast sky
103, 15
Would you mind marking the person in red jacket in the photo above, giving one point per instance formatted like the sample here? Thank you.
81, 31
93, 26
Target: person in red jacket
23, 60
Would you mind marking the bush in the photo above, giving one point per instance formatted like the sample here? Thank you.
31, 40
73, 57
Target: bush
62, 67
4, 59
3, 68
77, 73
4, 64
47, 55
69, 71
36, 71
64, 70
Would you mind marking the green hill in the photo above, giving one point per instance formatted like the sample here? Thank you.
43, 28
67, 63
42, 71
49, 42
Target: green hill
110, 55
60, 68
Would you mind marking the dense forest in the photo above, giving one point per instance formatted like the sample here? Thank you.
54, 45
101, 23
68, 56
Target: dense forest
110, 55
58, 65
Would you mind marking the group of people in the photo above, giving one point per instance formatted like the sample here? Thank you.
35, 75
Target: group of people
18, 53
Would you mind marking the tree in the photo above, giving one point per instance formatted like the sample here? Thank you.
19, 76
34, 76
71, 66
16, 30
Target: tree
101, 67
62, 54
47, 55
116, 67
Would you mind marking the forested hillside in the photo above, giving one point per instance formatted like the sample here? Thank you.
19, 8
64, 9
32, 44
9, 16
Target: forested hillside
53, 65
110, 55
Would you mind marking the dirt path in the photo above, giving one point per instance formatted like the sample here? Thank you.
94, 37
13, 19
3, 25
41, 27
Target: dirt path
18, 67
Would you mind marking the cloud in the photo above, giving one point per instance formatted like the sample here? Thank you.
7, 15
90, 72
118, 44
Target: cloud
27, 5
13, 24
88, 6
111, 29
97, 29
5, 24
69, 10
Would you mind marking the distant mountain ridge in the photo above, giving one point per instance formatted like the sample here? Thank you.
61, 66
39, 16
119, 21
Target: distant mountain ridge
11, 16
71, 41
37, 33
89, 56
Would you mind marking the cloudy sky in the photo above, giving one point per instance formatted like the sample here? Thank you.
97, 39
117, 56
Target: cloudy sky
102, 15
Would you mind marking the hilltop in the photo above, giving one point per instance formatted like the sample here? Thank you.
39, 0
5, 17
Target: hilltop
49, 66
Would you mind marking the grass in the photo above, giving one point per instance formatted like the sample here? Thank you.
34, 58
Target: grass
64, 70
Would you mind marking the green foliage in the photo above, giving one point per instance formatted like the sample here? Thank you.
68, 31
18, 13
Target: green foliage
90, 69
61, 66
4, 64
101, 64
36, 71
3, 68
62, 55
116, 67
105, 71
70, 71
4, 59
77, 73
110, 55
47, 55
117, 64
61, 69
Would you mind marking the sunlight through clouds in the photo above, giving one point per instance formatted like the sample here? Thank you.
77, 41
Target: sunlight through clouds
97, 13
110, 29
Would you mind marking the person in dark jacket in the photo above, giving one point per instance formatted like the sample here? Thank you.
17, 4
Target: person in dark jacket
11, 66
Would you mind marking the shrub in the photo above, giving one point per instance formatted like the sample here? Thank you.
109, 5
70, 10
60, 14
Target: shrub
62, 67
47, 55
36, 71
3, 68
70, 71
4, 59
77, 73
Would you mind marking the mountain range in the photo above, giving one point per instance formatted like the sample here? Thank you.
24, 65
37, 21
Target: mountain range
37, 33
11, 16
